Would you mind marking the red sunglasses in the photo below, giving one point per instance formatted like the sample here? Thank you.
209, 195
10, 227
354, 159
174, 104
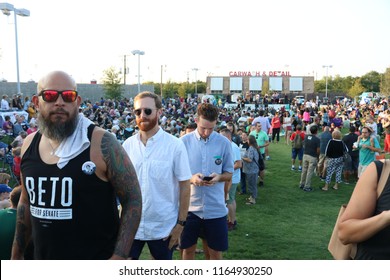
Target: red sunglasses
49, 95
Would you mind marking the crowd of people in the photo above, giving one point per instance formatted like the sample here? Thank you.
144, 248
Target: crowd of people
168, 170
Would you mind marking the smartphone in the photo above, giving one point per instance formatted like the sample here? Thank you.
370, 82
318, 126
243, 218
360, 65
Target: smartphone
207, 178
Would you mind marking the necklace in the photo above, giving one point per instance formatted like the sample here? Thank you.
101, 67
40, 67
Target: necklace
53, 150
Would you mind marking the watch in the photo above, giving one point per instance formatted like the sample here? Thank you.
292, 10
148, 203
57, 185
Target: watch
182, 223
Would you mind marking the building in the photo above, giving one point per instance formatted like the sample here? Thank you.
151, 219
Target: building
256, 82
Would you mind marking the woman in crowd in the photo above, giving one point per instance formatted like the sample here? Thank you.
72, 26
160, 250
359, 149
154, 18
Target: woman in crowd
306, 117
287, 126
368, 146
251, 168
275, 124
366, 220
324, 117
334, 152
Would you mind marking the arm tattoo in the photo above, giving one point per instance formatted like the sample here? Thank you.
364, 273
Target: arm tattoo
122, 176
23, 230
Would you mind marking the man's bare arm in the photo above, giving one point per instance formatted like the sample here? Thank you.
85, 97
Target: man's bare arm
23, 227
121, 174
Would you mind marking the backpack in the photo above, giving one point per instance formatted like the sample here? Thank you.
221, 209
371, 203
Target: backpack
297, 143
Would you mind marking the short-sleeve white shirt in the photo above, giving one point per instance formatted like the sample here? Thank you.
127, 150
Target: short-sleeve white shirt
160, 166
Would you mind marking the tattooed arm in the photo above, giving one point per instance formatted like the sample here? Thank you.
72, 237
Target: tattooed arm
121, 173
23, 227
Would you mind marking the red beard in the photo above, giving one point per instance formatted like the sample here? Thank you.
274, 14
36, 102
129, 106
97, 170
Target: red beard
147, 124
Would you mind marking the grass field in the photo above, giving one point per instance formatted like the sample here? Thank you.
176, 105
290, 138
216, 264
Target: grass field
286, 223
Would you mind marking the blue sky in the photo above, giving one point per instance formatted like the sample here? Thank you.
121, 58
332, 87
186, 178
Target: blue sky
214, 36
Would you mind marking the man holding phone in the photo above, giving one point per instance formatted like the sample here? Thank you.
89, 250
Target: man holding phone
211, 156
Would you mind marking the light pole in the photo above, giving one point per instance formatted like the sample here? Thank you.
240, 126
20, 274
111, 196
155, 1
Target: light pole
326, 78
125, 69
196, 80
161, 81
7, 8
139, 75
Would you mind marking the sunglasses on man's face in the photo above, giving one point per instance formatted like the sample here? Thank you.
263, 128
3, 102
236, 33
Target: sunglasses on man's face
147, 111
50, 95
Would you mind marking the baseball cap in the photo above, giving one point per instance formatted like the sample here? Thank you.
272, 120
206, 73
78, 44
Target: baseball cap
4, 188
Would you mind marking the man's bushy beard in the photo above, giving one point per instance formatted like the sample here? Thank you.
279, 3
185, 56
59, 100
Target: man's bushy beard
57, 130
146, 127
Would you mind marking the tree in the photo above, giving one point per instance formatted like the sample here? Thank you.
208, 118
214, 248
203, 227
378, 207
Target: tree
112, 84
169, 89
337, 84
156, 86
385, 83
356, 89
319, 85
184, 89
200, 86
348, 82
371, 81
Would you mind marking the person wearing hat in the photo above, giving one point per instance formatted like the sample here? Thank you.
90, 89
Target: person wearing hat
367, 146
4, 196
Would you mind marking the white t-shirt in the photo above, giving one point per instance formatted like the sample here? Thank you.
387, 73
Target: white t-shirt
286, 122
4, 104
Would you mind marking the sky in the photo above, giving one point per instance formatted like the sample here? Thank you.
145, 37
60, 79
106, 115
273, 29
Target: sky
84, 38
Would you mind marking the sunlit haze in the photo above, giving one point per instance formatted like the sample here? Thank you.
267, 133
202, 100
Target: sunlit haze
218, 36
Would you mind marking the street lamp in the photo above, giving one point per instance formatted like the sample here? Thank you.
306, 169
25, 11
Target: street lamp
326, 78
125, 69
139, 76
196, 80
161, 81
7, 8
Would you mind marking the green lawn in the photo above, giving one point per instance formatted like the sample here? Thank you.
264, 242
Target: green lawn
287, 223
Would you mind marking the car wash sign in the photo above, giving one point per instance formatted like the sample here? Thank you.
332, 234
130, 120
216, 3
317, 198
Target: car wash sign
259, 73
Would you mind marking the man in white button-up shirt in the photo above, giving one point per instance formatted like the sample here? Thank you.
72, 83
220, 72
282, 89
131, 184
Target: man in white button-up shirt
163, 170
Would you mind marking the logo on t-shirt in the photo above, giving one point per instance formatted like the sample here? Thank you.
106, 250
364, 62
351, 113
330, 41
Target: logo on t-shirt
51, 198
88, 167
218, 160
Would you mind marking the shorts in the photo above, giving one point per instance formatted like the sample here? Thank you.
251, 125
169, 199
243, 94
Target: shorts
214, 231
297, 152
232, 193
159, 249
361, 169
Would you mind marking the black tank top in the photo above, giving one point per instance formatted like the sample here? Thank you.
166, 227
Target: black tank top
74, 215
378, 246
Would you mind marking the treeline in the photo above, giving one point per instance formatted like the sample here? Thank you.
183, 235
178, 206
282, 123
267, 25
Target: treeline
350, 86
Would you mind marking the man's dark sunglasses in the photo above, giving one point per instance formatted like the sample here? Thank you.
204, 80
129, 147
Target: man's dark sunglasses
147, 111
